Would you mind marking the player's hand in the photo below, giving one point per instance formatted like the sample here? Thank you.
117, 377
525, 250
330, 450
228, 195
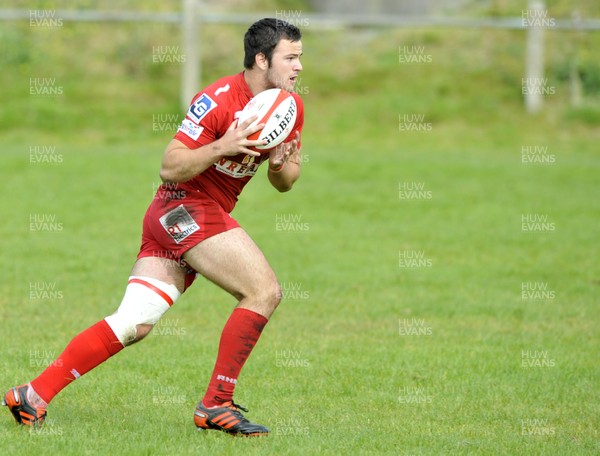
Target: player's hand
235, 141
281, 154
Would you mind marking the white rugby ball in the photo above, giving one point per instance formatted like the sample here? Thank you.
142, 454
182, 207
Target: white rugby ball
277, 109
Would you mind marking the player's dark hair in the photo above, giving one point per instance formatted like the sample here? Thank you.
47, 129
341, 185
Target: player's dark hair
263, 36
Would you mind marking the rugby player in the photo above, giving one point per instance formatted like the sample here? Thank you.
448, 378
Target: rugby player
190, 231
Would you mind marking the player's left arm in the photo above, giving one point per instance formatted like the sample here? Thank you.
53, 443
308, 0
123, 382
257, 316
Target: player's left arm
284, 164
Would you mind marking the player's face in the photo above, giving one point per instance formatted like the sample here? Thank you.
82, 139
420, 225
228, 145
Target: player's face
285, 65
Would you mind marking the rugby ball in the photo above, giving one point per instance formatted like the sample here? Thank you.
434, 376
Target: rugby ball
277, 109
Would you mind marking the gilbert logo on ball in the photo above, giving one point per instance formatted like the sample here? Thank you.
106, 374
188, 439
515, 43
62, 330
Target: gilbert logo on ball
276, 108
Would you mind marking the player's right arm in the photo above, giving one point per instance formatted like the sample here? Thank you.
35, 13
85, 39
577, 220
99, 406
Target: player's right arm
180, 163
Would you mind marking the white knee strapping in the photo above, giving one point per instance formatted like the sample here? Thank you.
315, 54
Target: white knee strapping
145, 302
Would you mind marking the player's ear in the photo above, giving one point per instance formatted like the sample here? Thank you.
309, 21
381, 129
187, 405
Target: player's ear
261, 61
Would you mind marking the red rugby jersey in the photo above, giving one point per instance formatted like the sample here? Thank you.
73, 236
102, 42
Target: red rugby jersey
209, 116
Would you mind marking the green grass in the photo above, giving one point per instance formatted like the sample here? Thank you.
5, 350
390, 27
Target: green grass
359, 385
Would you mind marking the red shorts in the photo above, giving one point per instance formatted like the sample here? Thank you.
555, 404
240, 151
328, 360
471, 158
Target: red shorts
178, 220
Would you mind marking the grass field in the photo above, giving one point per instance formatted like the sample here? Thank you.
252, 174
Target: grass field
441, 286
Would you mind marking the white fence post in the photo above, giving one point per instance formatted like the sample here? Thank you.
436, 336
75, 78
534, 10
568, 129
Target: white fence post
575, 84
534, 57
190, 32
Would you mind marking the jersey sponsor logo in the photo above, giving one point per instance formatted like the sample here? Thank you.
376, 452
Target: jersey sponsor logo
201, 107
221, 90
190, 129
238, 170
179, 223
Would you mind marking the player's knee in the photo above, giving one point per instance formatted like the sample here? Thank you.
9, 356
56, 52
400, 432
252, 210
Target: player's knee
146, 300
277, 293
142, 331
269, 294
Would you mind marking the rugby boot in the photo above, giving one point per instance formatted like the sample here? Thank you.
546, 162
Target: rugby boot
23, 411
227, 418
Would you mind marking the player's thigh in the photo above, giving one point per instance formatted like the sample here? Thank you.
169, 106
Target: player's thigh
234, 262
163, 269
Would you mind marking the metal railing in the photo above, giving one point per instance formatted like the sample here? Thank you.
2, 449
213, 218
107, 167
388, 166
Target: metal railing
192, 17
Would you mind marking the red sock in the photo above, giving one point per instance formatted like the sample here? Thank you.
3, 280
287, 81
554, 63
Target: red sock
238, 338
87, 350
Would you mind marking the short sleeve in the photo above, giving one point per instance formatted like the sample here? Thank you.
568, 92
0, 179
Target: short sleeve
200, 125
